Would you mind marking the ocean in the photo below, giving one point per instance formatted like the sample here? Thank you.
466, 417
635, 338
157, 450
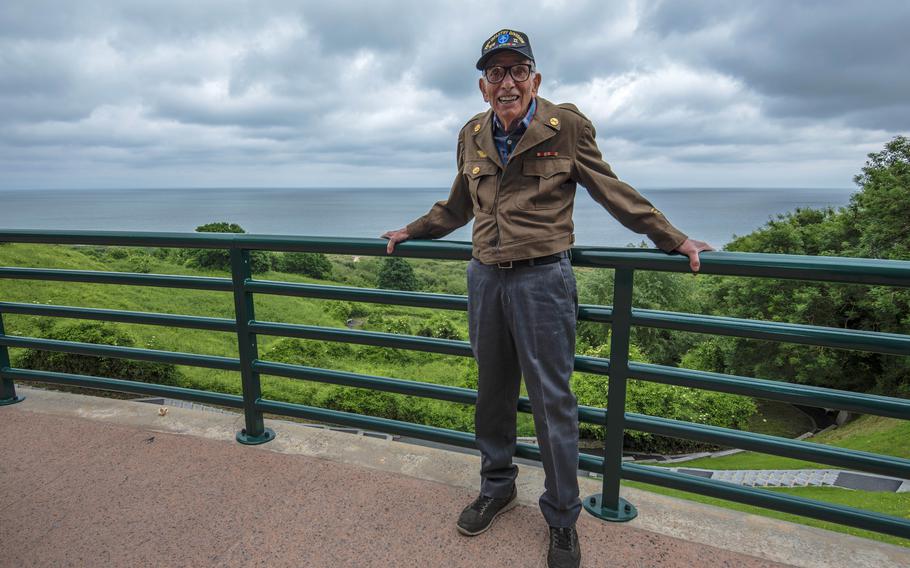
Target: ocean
710, 214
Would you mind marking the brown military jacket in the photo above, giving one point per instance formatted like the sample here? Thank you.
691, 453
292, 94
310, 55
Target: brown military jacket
523, 209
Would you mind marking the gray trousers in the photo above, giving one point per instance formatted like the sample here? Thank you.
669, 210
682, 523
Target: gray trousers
522, 323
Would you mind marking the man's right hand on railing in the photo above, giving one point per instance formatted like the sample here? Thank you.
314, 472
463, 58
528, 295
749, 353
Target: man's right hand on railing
395, 237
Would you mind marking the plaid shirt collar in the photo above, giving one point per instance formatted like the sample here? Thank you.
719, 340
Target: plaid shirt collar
498, 128
506, 141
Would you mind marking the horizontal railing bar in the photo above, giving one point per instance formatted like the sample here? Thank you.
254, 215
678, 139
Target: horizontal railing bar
375, 338
793, 267
344, 378
583, 363
87, 381
96, 350
400, 386
774, 445
123, 278
599, 314
375, 296
387, 425
451, 250
397, 297
144, 318
774, 390
859, 518
873, 341
831, 269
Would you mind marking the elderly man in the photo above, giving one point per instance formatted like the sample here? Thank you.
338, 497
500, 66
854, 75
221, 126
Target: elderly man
518, 166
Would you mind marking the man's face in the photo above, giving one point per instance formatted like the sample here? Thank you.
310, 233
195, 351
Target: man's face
509, 98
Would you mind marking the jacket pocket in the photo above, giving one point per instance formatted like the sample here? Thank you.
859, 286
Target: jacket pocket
544, 179
482, 183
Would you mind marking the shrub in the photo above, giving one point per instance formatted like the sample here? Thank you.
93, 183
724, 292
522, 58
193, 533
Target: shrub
348, 310
397, 274
396, 325
655, 399
101, 334
309, 353
439, 327
139, 263
312, 264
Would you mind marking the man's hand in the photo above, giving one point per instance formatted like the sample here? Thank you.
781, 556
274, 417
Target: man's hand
395, 237
691, 248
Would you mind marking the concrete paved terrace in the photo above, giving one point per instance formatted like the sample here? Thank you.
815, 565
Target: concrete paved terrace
86, 481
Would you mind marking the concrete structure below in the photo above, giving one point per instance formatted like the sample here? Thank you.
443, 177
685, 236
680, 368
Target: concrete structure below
87, 481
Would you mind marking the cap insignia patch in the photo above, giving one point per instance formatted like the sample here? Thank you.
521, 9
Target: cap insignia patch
504, 37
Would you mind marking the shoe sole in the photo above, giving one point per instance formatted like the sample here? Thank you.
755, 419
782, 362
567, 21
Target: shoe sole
506, 508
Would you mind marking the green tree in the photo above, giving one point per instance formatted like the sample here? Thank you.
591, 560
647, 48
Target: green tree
312, 264
220, 259
875, 224
397, 274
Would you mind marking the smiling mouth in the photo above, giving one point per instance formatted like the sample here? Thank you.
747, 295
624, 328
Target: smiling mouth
507, 100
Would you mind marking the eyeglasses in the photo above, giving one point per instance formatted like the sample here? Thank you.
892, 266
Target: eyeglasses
497, 73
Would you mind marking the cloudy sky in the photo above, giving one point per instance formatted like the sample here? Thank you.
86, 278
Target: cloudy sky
312, 93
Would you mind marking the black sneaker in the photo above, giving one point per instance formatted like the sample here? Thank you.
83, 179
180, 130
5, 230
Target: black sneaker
564, 550
479, 515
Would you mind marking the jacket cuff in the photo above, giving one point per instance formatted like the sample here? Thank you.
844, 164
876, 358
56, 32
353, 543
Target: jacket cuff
418, 229
670, 240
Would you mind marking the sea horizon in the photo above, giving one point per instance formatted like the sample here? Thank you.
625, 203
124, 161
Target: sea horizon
713, 214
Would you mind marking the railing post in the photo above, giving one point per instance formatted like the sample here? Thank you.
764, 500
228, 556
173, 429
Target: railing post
7, 388
255, 431
608, 505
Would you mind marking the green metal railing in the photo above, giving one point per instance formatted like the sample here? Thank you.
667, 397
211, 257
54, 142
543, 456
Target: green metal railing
621, 317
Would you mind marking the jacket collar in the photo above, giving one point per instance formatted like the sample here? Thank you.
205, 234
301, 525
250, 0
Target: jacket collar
543, 125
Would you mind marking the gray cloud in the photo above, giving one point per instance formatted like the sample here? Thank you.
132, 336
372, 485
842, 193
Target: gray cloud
316, 93
813, 59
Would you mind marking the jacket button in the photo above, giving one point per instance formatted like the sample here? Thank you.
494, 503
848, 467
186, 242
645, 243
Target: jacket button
476, 170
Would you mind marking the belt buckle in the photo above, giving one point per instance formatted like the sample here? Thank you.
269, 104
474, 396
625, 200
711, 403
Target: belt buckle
504, 265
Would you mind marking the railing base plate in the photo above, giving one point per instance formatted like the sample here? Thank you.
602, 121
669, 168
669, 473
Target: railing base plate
626, 511
14, 400
267, 436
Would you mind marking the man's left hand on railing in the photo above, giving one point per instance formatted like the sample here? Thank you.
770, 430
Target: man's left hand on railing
691, 248
395, 237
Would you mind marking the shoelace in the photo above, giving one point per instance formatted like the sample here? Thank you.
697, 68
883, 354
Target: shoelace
562, 538
481, 503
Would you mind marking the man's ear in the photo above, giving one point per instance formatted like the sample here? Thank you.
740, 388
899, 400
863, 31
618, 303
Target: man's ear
535, 84
480, 83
